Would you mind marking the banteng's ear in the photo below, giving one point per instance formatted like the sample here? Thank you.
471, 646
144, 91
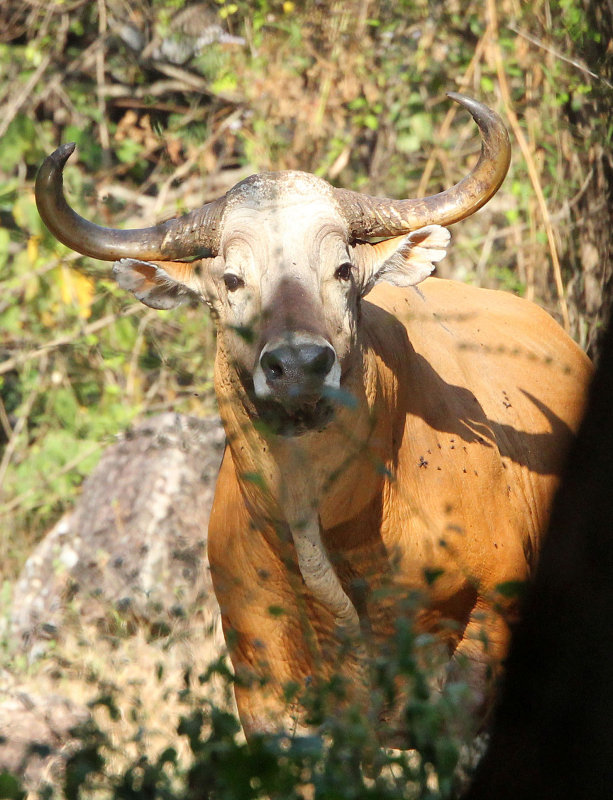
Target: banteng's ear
163, 284
404, 260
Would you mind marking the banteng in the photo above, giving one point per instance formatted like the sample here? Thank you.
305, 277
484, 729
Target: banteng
384, 438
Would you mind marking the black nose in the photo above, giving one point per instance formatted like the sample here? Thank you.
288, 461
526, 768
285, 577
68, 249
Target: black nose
297, 371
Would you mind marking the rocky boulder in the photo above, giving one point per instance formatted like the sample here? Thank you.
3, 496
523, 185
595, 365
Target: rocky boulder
133, 550
36, 735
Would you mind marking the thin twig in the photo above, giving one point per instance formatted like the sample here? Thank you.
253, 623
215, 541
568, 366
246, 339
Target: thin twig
17, 430
181, 171
123, 96
11, 505
193, 82
5, 421
12, 108
61, 341
582, 189
532, 170
148, 317
57, 81
549, 49
105, 138
449, 117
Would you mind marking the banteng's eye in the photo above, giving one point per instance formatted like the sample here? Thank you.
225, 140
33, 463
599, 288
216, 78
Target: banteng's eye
343, 273
233, 282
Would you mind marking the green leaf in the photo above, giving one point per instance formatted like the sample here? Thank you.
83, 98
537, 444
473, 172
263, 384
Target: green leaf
431, 575
487, 84
10, 787
255, 478
512, 590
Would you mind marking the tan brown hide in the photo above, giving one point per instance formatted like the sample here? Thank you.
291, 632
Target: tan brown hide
468, 399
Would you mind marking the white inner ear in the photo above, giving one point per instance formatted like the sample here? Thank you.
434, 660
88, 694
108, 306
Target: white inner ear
153, 285
414, 258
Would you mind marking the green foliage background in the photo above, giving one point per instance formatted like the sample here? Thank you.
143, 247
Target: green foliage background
165, 121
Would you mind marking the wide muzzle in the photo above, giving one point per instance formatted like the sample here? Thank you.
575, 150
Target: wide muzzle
296, 370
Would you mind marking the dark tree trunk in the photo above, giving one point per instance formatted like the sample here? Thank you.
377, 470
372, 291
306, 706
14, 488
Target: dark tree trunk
553, 732
591, 216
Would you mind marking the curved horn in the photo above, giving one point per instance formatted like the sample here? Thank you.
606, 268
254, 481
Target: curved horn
191, 236
378, 217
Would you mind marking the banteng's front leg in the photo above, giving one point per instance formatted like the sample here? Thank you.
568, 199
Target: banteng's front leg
288, 622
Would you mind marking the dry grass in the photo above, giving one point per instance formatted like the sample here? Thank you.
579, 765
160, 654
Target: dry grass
148, 684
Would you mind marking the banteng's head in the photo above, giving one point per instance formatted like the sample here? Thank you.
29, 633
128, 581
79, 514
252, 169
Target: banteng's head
283, 260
